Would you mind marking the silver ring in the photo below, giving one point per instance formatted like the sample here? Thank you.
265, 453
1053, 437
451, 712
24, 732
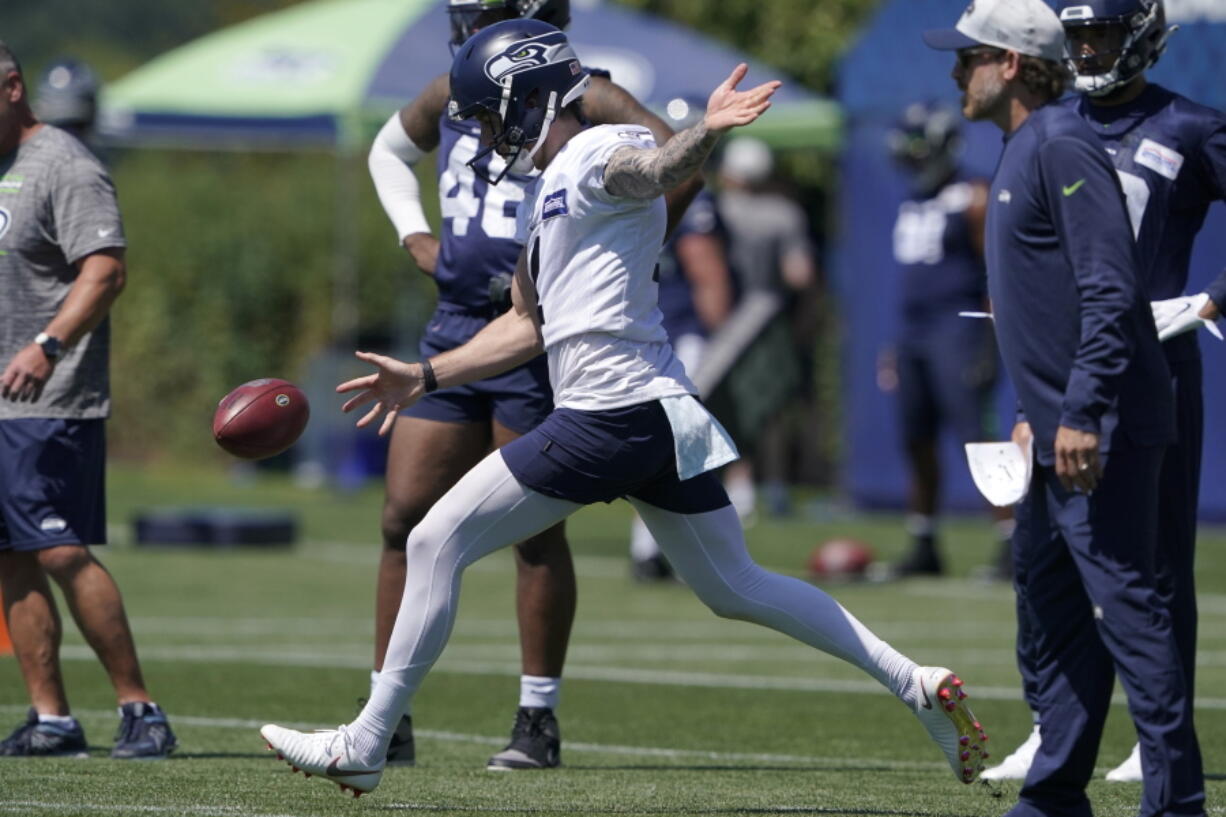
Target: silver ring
1085, 466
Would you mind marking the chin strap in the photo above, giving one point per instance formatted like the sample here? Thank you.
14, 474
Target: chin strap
551, 113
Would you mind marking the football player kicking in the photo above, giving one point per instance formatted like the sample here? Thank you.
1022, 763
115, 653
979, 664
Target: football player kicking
1170, 154
626, 423
439, 438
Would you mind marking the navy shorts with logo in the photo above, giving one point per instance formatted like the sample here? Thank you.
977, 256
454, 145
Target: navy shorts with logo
599, 456
520, 399
52, 483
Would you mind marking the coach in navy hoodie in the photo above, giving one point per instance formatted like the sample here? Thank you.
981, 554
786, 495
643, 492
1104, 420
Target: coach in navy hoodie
1077, 337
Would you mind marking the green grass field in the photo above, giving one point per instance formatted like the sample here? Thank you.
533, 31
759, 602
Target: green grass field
666, 709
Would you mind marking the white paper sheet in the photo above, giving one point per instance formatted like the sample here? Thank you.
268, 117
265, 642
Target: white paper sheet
1001, 470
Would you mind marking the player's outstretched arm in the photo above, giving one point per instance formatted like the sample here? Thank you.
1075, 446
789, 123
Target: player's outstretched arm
644, 174
607, 103
510, 340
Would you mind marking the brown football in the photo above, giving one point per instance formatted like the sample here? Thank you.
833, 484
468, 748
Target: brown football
840, 559
261, 418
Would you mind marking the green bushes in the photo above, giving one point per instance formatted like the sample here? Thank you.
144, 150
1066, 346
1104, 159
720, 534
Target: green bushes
232, 266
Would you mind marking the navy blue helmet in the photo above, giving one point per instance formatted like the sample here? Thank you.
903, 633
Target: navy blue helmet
1132, 35
515, 76
469, 15
67, 95
927, 140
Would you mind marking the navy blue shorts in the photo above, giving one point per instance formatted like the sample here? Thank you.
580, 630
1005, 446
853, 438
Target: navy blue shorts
947, 380
520, 399
52, 483
600, 456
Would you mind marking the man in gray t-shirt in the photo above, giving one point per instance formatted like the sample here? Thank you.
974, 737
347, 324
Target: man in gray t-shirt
770, 252
61, 268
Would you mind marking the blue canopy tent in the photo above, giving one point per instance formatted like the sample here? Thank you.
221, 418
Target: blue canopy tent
322, 73
885, 70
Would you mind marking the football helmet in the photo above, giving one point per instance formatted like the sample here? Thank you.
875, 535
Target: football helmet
926, 140
67, 95
466, 14
515, 76
1136, 30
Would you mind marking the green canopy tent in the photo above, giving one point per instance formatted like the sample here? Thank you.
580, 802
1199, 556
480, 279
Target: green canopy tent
324, 72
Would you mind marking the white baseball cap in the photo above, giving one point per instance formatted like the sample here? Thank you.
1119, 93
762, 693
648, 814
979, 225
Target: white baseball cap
747, 160
1025, 26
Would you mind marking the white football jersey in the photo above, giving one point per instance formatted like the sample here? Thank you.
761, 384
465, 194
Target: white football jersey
592, 257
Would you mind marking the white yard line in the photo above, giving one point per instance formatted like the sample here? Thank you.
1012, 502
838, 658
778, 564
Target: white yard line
38, 806
263, 655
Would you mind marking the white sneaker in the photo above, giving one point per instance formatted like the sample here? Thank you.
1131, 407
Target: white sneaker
327, 753
1130, 770
940, 708
1017, 764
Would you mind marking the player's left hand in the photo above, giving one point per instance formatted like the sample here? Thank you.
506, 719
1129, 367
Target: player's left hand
1077, 462
730, 108
396, 386
25, 375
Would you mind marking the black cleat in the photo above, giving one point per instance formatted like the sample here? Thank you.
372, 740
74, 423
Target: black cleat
536, 743
402, 751
37, 739
144, 733
652, 569
921, 561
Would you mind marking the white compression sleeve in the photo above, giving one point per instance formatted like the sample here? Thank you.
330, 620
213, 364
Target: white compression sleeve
486, 510
708, 552
391, 160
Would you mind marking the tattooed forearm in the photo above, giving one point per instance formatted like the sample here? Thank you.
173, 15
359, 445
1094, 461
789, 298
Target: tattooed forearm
634, 173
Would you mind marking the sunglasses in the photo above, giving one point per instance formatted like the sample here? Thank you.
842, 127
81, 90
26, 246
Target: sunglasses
968, 56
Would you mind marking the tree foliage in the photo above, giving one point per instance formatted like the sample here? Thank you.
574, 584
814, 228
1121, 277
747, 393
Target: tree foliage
802, 37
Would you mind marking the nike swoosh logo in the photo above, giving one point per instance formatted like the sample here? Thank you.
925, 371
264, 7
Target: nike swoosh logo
927, 704
1182, 310
1074, 187
105, 233
334, 770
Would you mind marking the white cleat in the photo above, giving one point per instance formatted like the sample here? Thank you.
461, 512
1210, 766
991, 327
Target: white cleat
1130, 770
327, 753
1017, 764
939, 704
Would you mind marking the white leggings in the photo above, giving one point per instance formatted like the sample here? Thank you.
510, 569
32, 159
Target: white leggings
489, 509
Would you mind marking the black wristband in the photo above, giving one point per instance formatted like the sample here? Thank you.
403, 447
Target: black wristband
428, 381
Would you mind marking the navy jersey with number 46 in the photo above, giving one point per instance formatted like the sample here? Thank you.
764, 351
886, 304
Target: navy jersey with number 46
1170, 154
478, 235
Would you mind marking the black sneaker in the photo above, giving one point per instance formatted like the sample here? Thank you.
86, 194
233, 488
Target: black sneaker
536, 742
144, 733
402, 751
37, 739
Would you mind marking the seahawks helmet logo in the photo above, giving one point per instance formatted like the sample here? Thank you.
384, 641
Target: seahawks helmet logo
525, 55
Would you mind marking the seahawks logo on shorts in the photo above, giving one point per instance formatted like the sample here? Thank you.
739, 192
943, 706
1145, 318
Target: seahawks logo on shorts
528, 54
6, 219
53, 524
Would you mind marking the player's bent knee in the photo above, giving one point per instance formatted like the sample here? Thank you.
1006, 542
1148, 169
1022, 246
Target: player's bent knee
64, 560
726, 601
397, 523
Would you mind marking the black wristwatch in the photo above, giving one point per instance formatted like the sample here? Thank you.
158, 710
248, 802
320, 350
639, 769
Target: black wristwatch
50, 345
